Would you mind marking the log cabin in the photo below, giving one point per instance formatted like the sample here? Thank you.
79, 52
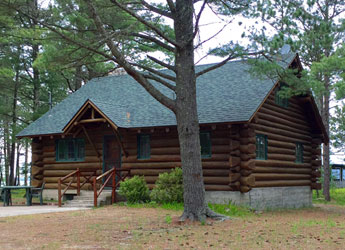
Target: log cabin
258, 149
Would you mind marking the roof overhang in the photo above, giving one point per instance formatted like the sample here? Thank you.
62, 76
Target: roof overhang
82, 110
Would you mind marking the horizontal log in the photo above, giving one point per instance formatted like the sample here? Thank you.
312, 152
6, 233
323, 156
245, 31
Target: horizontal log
289, 117
248, 149
87, 186
88, 159
235, 185
316, 186
289, 170
271, 118
38, 177
246, 157
281, 138
35, 170
283, 126
285, 111
234, 144
316, 174
171, 158
235, 169
233, 177
281, 157
249, 165
56, 179
292, 107
282, 183
245, 189
247, 180
36, 157
283, 132
36, 183
234, 161
268, 176
316, 151
247, 132
235, 152
63, 173
316, 162
247, 140
275, 163
246, 172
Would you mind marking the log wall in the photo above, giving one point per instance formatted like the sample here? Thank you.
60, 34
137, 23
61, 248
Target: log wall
284, 127
232, 166
165, 155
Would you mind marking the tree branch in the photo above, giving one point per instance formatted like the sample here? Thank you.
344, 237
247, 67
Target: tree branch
156, 41
120, 59
160, 80
230, 57
168, 66
197, 19
146, 23
156, 10
157, 72
171, 6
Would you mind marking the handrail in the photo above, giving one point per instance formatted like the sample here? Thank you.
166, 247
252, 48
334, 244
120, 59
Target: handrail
75, 174
111, 174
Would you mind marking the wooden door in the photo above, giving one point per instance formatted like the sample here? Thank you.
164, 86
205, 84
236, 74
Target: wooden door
111, 155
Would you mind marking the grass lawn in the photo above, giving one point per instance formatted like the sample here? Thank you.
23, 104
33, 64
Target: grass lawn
337, 197
155, 227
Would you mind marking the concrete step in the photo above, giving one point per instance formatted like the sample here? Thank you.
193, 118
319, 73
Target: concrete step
86, 199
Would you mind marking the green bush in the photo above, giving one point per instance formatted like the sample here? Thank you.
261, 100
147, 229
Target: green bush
135, 189
169, 187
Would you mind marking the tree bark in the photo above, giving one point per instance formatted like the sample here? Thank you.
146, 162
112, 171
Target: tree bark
195, 207
17, 179
26, 164
326, 148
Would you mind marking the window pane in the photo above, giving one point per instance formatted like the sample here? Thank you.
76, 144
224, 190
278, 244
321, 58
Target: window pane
261, 147
71, 153
144, 149
61, 150
299, 152
70, 149
80, 149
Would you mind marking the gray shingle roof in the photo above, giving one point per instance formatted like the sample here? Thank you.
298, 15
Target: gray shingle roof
227, 94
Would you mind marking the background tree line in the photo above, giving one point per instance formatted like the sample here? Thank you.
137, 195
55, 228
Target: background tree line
52, 50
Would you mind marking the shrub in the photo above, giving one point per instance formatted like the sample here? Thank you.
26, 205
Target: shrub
168, 188
135, 189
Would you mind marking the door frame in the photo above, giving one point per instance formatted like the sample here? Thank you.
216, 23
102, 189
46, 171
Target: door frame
103, 156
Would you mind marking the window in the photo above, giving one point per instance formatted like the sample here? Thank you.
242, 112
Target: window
299, 152
279, 100
261, 147
144, 148
70, 150
205, 143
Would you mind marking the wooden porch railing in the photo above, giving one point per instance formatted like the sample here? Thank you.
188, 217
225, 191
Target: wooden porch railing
110, 174
75, 174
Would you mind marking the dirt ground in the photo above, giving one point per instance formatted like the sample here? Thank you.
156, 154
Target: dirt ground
115, 227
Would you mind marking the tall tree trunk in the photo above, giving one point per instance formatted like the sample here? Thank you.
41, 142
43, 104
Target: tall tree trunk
7, 149
26, 164
326, 148
195, 207
17, 182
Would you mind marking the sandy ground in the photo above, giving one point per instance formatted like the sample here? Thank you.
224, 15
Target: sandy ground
114, 227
